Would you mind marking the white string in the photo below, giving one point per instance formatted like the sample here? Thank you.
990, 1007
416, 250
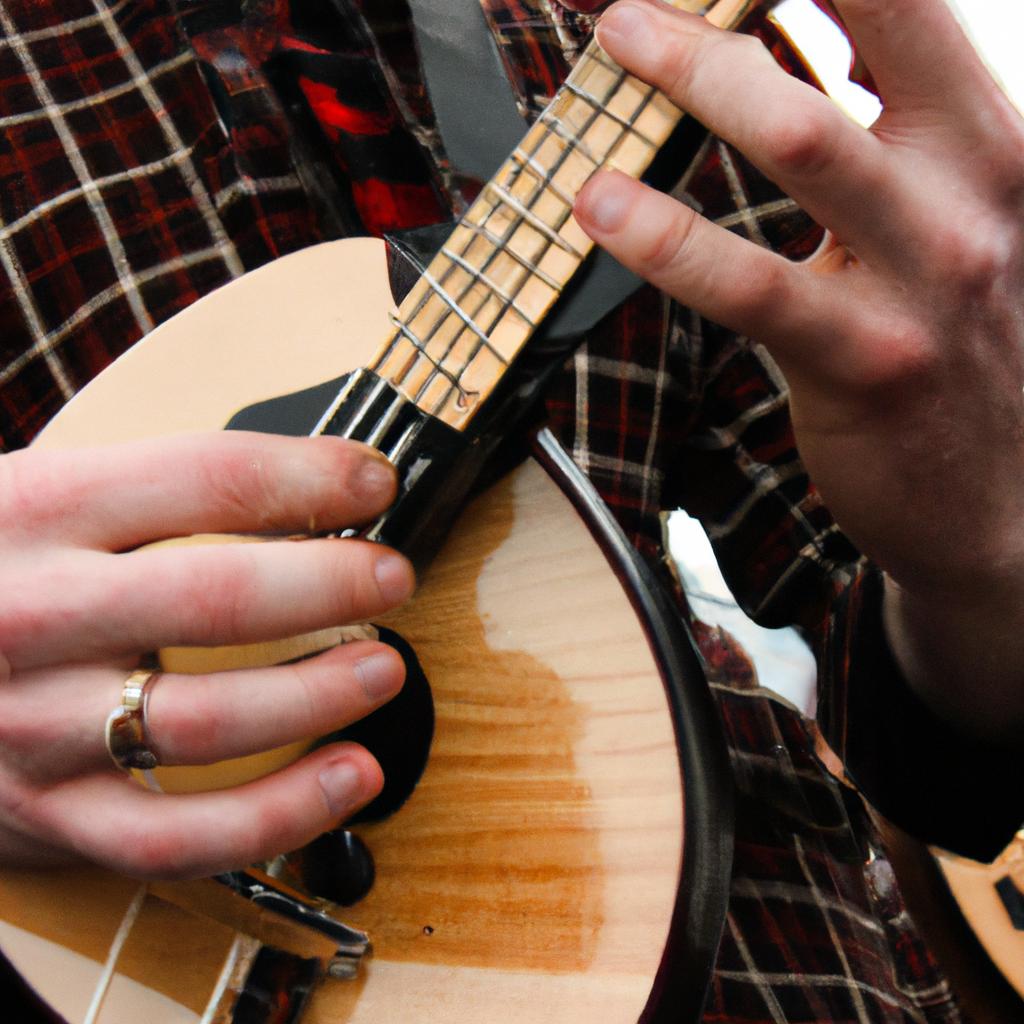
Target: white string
224, 978
107, 975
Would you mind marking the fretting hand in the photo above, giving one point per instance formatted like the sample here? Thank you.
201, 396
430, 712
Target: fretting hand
902, 339
81, 605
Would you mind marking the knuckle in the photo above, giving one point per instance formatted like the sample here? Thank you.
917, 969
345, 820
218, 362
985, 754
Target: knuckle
241, 486
898, 353
678, 70
972, 258
191, 724
800, 143
760, 295
17, 798
31, 490
273, 827
1002, 150
682, 61
14, 737
752, 47
667, 248
213, 607
353, 582
340, 574
22, 626
30, 618
307, 705
156, 852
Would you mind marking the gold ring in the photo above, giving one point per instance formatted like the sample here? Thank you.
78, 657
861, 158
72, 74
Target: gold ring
127, 738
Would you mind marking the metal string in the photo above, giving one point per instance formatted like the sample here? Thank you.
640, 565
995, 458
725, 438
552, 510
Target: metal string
574, 143
544, 178
544, 181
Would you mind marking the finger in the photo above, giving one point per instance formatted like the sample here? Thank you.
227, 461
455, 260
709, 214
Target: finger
52, 721
831, 329
93, 607
724, 277
108, 818
918, 55
794, 134
200, 720
21, 850
124, 495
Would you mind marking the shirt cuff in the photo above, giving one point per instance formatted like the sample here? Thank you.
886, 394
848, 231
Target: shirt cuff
916, 769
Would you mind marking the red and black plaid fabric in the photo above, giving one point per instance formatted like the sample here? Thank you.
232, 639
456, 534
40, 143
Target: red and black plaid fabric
152, 150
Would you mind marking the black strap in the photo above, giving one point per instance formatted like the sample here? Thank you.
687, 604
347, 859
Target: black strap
477, 115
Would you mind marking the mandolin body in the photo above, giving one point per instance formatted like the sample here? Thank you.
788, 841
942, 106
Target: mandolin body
534, 872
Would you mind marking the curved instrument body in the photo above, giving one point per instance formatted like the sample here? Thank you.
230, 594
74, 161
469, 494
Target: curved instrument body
991, 899
537, 871
533, 873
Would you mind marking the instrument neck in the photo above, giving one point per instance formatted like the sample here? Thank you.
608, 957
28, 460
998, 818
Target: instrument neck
518, 246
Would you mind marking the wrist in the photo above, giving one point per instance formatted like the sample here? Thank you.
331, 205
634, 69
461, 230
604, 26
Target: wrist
961, 650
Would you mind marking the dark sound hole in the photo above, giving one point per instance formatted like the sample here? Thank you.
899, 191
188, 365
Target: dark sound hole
338, 865
398, 735
1013, 899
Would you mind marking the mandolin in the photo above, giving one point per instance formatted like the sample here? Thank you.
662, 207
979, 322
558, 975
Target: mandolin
564, 853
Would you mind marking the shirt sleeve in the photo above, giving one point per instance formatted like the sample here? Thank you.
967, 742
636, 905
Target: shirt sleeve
788, 563
915, 768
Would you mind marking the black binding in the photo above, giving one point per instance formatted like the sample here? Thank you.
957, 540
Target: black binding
680, 987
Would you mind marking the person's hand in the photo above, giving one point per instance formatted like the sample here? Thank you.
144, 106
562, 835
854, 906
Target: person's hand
902, 339
79, 605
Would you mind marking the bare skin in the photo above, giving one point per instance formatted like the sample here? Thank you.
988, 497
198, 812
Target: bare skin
902, 339
70, 523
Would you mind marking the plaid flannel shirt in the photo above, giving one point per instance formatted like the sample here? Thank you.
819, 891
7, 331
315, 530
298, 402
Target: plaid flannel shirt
151, 151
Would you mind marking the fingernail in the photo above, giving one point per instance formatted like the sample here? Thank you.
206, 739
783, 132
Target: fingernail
603, 204
628, 33
394, 577
340, 784
375, 477
378, 676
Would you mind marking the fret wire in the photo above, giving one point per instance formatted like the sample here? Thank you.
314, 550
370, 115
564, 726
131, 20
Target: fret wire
621, 76
593, 55
461, 313
500, 246
627, 125
596, 55
438, 361
574, 141
405, 330
437, 290
533, 220
574, 144
531, 268
500, 243
508, 300
554, 128
541, 175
